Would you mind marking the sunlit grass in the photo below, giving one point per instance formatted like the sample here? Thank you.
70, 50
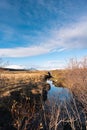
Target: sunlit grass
10, 81
23, 96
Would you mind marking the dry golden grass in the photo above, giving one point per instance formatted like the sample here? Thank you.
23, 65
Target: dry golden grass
10, 81
22, 109
74, 78
21, 96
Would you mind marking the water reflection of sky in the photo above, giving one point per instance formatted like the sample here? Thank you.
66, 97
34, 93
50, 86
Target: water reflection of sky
58, 93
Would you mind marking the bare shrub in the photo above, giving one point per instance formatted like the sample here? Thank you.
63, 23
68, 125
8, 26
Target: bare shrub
76, 80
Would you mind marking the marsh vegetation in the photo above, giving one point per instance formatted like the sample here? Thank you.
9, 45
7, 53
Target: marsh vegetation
29, 102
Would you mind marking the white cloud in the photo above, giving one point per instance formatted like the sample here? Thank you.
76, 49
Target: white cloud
70, 37
51, 65
15, 67
23, 52
74, 36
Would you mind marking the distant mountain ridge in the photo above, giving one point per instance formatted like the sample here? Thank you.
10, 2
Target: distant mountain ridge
32, 69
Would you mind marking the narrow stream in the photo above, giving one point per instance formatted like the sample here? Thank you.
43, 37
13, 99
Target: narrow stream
58, 93
53, 108
59, 98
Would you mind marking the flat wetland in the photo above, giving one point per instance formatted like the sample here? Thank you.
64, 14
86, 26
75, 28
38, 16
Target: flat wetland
42, 100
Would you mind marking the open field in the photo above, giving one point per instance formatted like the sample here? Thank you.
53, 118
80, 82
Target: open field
19, 92
23, 96
10, 81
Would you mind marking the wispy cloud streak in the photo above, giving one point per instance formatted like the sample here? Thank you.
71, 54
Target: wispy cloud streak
69, 37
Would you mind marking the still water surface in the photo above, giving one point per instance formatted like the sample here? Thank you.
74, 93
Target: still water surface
60, 93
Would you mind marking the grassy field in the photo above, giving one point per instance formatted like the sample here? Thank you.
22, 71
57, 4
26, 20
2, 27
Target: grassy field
10, 81
23, 95
74, 78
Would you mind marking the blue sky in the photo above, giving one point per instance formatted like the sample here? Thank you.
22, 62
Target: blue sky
43, 33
